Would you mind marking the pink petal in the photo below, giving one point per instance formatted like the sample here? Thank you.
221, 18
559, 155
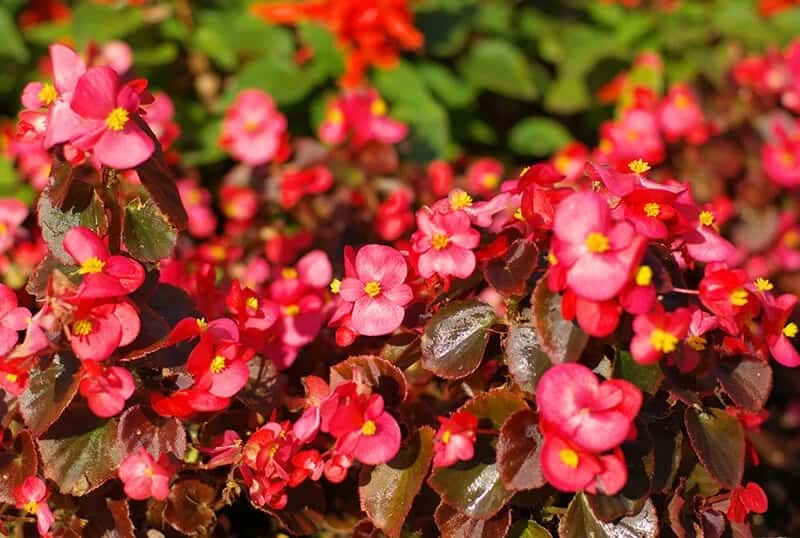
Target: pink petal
95, 93
382, 264
124, 149
314, 269
580, 214
376, 316
381, 447
68, 66
129, 320
231, 380
129, 272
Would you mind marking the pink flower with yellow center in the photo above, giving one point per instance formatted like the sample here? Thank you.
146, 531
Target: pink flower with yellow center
444, 242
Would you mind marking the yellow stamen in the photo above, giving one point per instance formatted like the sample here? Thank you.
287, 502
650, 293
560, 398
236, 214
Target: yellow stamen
202, 324
47, 94
638, 166
551, 258
217, 365
252, 302
681, 101
518, 214
440, 241
117, 119
82, 327
490, 180
368, 428
597, 242
562, 163
790, 331
739, 297
31, 507
644, 275
791, 239
787, 159
336, 285
378, 107
335, 116
12, 378
3, 228
652, 209
697, 343
148, 471
291, 310
460, 200
217, 252
631, 135
706, 218
606, 146
569, 457
762, 284
289, 273
91, 265
251, 126
663, 341
446, 436
373, 288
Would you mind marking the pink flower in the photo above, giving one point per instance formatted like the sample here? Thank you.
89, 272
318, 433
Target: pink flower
484, 176
444, 242
634, 136
779, 331
12, 214
598, 254
680, 116
104, 275
225, 365
13, 318
361, 113
14, 376
455, 439
592, 415
197, 201
377, 290
568, 467
159, 117
109, 118
106, 390
143, 477
238, 203
253, 129
99, 328
296, 184
658, 333
781, 156
317, 391
364, 430
31, 496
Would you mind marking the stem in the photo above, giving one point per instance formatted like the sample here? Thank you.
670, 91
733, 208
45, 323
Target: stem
110, 195
686, 291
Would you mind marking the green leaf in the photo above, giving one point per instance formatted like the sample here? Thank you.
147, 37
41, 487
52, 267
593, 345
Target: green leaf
451, 90
567, 94
387, 490
524, 356
80, 454
475, 487
538, 136
101, 23
56, 223
498, 66
518, 452
646, 377
528, 529
327, 59
562, 340
49, 392
579, 521
11, 45
147, 234
279, 77
455, 338
718, 440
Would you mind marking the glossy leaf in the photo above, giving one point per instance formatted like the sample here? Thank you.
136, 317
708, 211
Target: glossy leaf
747, 382
121, 514
528, 529
147, 234
562, 340
384, 377
189, 507
388, 490
579, 521
509, 274
455, 339
138, 426
49, 392
455, 524
518, 451
55, 223
718, 440
647, 377
524, 356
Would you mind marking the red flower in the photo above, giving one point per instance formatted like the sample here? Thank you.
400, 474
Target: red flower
455, 439
746, 499
225, 365
106, 390
658, 333
143, 477
31, 496
362, 114
364, 430
13, 318
104, 275
724, 292
99, 328
296, 184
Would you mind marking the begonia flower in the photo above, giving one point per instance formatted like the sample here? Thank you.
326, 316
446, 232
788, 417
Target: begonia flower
444, 242
253, 130
658, 333
144, 477
31, 495
455, 439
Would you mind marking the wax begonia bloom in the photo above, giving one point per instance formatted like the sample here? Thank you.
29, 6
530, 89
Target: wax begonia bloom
218, 330
569, 468
724, 292
362, 114
746, 499
455, 439
368, 433
300, 307
593, 415
658, 333
444, 242
106, 390
596, 318
598, 253
296, 184
12, 214
197, 201
779, 330
103, 275
781, 156
634, 136
14, 377
13, 318
377, 290
253, 129
99, 328
680, 115
109, 118
31, 496
224, 364
143, 477
484, 176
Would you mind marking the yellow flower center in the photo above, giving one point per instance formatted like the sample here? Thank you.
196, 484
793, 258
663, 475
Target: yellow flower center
117, 119
597, 242
652, 209
739, 297
82, 327
787, 159
217, 252
373, 288
790, 331
148, 471
91, 265
551, 258
681, 101
252, 303
202, 324
490, 180
606, 146
47, 94
791, 239
336, 285
638, 166
440, 241
3, 228
369, 428
251, 126
706, 218
291, 310
446, 436
460, 200
378, 107
697, 343
289, 273
335, 116
217, 364
562, 163
194, 197
631, 135
762, 284
12, 378
569, 457
518, 214
644, 275
663, 341
31, 507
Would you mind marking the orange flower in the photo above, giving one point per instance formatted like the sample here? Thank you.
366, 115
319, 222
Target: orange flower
371, 32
